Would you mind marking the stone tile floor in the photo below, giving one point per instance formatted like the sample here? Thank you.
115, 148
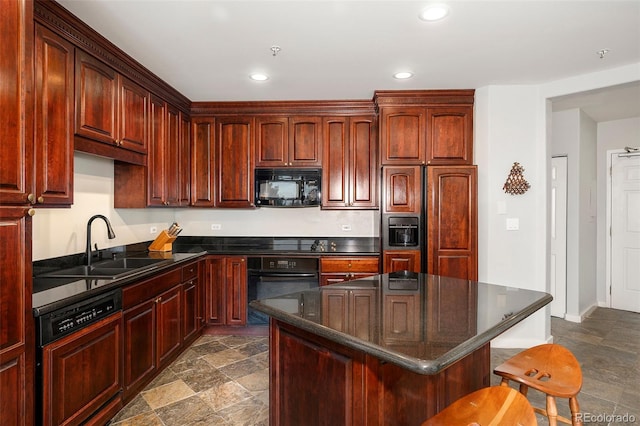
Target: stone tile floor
223, 380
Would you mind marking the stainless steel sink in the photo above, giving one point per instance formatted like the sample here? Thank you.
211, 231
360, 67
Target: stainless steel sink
109, 269
130, 263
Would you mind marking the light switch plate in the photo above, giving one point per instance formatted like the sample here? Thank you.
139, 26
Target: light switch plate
513, 224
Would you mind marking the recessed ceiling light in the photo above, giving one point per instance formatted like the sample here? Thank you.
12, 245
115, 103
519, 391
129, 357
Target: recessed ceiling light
435, 12
259, 77
403, 75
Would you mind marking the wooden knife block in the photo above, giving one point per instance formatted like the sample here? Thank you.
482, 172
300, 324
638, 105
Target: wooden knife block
163, 242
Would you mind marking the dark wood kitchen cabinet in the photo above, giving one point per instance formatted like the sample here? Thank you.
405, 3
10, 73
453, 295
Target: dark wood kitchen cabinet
401, 260
110, 110
157, 171
54, 107
350, 163
184, 161
82, 375
294, 141
152, 328
234, 162
192, 302
452, 225
433, 127
401, 189
17, 340
202, 161
226, 292
339, 269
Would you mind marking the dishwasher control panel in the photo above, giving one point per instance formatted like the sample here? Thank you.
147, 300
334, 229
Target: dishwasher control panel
70, 318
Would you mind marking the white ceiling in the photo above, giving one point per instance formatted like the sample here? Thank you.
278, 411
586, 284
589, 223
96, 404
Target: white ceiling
346, 49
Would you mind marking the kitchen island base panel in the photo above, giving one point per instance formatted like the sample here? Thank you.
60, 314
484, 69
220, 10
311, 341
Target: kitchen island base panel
315, 381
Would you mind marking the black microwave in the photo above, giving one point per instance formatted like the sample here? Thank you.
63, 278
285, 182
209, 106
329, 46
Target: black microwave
288, 187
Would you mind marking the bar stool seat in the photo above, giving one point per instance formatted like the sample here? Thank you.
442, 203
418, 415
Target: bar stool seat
495, 405
551, 369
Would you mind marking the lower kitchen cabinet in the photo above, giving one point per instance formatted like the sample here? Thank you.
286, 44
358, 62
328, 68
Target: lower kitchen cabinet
338, 269
161, 316
401, 260
82, 375
226, 292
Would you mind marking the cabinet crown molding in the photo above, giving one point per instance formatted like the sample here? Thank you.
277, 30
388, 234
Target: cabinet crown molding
423, 97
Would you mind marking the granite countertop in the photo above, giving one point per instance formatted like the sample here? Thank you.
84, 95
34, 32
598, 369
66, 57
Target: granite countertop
52, 293
445, 320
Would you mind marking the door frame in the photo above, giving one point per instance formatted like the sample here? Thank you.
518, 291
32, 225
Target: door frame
563, 298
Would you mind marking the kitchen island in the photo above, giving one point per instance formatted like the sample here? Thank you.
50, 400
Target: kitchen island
392, 349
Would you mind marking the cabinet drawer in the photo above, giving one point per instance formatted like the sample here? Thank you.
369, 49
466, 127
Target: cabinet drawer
190, 272
150, 288
349, 264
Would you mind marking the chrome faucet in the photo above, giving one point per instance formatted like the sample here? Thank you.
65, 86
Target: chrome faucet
110, 234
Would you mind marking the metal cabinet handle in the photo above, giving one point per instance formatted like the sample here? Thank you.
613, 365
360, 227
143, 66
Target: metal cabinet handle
31, 212
31, 198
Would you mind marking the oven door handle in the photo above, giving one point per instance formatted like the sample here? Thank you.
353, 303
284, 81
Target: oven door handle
285, 275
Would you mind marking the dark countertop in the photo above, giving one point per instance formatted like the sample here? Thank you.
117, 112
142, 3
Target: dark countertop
453, 317
52, 293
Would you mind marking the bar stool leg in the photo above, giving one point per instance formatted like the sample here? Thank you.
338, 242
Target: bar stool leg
575, 409
552, 411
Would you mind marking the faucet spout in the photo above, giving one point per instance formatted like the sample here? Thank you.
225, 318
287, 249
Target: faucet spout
110, 234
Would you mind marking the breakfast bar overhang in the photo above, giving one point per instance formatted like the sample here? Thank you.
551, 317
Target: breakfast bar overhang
391, 349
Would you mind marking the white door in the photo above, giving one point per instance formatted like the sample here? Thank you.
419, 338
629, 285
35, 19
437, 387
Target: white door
625, 232
558, 259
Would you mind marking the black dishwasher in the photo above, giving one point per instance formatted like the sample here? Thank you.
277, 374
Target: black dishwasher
78, 359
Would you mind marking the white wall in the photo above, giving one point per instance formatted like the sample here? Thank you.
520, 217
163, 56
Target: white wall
506, 131
612, 135
574, 135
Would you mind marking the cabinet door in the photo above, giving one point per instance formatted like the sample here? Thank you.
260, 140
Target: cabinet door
190, 311
450, 135
305, 141
16, 102
96, 99
452, 222
234, 160
133, 110
272, 142
401, 260
335, 165
402, 187
16, 339
53, 119
236, 289
156, 174
403, 136
140, 359
362, 313
401, 318
169, 337
363, 163
215, 291
184, 161
82, 371
172, 157
335, 305
202, 162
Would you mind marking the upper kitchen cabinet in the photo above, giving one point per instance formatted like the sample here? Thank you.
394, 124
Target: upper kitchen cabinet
54, 106
110, 110
160, 182
350, 163
401, 188
432, 127
202, 161
234, 162
294, 141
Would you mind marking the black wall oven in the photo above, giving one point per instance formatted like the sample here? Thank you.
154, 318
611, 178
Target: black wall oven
271, 276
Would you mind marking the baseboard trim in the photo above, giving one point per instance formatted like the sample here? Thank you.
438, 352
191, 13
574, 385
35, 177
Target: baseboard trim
511, 343
582, 316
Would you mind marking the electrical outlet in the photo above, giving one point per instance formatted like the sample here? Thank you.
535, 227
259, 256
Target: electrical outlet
153, 229
346, 228
216, 226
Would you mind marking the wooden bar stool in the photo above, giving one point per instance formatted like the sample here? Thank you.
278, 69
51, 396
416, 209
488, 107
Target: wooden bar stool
551, 369
496, 405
